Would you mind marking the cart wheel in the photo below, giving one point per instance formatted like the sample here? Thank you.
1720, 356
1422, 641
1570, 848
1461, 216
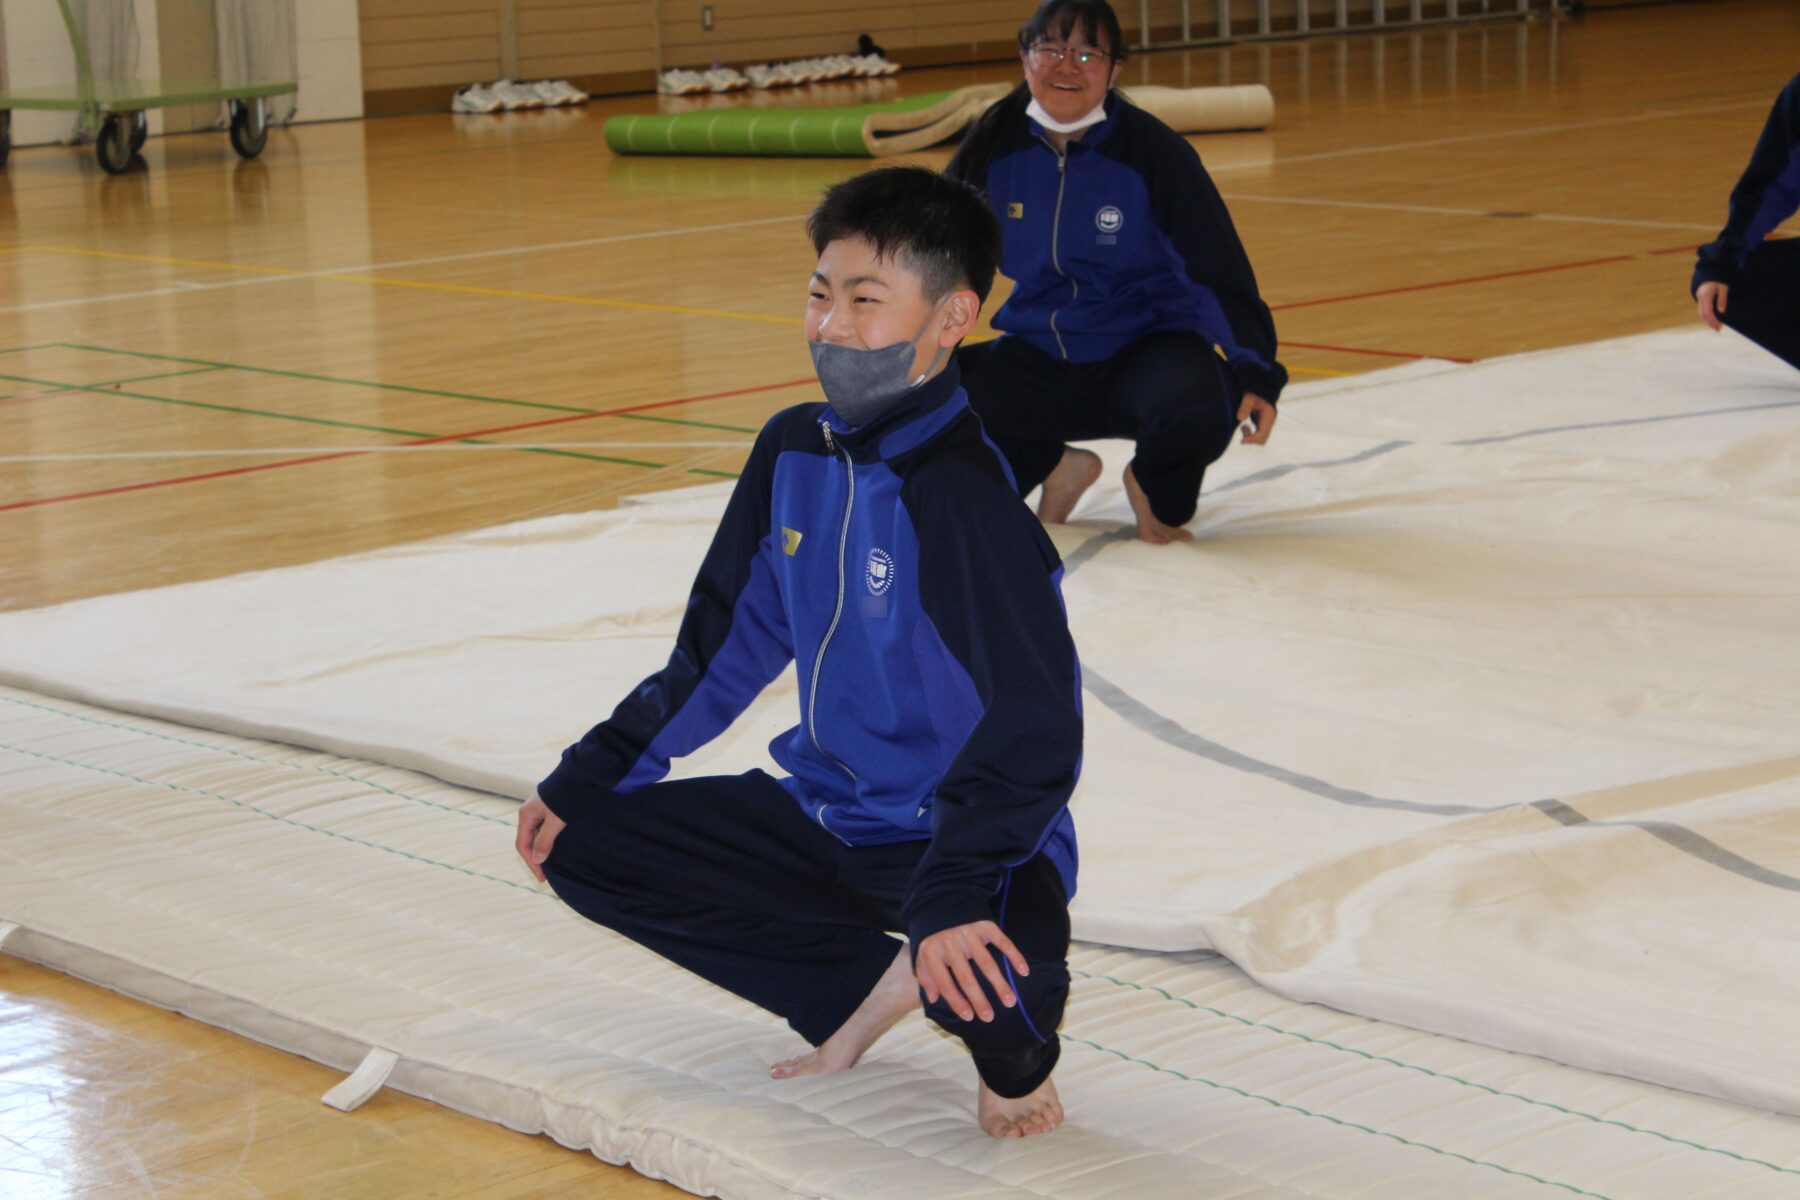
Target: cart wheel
5, 134
249, 127
113, 146
140, 130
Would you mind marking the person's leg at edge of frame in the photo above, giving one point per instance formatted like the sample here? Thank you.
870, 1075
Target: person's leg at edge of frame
1764, 304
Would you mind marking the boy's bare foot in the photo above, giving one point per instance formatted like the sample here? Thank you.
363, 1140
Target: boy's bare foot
1075, 473
895, 995
1149, 529
1039, 1112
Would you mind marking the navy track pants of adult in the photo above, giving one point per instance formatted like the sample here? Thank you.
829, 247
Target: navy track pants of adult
727, 877
1764, 303
1169, 392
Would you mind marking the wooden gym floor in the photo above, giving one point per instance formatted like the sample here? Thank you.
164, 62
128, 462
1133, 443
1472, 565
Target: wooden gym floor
389, 330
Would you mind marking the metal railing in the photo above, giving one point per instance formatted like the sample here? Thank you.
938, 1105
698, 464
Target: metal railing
1346, 16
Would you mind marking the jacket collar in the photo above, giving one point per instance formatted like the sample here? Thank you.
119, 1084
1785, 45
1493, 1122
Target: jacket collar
911, 423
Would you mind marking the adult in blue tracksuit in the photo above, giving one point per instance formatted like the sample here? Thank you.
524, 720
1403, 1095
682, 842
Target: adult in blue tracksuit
1134, 310
878, 544
1742, 279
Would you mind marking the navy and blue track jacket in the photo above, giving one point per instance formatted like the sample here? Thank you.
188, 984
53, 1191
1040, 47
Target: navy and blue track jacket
940, 696
1120, 236
1766, 195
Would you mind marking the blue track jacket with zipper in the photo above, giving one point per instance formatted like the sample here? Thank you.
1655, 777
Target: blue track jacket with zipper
1766, 195
940, 696
1121, 235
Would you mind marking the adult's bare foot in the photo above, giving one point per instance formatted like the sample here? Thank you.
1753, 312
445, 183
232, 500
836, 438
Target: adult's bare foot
895, 994
1075, 473
1039, 1112
1149, 529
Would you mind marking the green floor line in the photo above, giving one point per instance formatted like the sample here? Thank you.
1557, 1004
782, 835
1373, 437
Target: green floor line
240, 410
401, 387
165, 375
1322, 1116
39, 346
690, 424
1382, 1058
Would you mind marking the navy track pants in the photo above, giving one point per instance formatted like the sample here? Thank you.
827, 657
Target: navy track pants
727, 877
1764, 303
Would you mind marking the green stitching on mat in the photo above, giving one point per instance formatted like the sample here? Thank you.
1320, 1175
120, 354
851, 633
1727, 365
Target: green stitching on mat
1305, 1112
267, 762
330, 833
1493, 1091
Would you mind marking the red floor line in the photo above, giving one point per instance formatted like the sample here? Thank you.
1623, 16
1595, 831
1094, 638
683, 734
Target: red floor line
1447, 283
432, 441
1376, 353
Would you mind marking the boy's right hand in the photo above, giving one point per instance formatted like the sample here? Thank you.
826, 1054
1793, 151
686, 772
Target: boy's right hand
538, 827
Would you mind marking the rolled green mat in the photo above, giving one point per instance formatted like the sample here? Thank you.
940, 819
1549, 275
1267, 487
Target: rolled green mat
814, 132
905, 126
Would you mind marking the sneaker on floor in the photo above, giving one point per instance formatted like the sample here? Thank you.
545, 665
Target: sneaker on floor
547, 92
474, 99
724, 79
512, 97
569, 92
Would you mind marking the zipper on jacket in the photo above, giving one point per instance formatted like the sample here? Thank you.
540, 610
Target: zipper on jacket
1062, 175
812, 699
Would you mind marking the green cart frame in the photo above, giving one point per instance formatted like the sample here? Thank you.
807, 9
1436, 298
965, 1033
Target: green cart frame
119, 110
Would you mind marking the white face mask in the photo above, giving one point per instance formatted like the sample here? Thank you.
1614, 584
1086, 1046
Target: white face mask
1036, 112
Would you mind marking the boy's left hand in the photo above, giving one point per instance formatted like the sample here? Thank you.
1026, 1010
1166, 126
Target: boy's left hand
947, 961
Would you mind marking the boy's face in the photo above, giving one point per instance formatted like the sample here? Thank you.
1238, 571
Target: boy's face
864, 302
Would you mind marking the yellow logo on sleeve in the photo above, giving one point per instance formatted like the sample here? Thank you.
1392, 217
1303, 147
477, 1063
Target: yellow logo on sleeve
790, 541
1015, 210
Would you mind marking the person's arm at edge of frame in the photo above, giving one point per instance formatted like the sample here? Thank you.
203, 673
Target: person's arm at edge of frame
1775, 162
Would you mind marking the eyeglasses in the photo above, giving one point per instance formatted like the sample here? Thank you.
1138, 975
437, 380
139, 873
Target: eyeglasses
1055, 56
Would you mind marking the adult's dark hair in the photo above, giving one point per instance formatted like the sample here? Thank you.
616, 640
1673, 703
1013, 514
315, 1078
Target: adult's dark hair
1053, 21
937, 228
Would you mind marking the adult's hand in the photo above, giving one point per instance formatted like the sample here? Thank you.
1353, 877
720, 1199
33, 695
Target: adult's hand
947, 961
1711, 299
1261, 415
538, 827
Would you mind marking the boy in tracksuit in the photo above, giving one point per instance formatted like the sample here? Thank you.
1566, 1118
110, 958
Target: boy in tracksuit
879, 544
1742, 280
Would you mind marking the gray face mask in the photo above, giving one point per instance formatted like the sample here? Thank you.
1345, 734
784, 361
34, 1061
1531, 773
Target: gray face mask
863, 384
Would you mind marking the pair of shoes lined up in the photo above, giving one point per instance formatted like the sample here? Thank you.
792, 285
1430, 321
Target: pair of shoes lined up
509, 95
719, 78
819, 70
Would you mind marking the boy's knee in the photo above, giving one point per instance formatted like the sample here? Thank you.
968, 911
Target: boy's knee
1019, 1031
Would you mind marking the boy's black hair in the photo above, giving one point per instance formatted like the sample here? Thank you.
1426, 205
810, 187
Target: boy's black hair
937, 228
1055, 18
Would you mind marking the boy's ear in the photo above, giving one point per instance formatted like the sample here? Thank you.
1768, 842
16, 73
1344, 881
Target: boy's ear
962, 311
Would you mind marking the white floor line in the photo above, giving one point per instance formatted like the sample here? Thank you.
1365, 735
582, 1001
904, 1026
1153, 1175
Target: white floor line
1438, 210
188, 287
1528, 131
282, 451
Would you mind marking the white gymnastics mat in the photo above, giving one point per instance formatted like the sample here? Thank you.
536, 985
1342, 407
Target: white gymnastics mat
331, 906
1471, 710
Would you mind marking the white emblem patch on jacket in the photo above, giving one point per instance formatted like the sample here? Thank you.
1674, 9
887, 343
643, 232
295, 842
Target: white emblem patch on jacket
1109, 219
879, 574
